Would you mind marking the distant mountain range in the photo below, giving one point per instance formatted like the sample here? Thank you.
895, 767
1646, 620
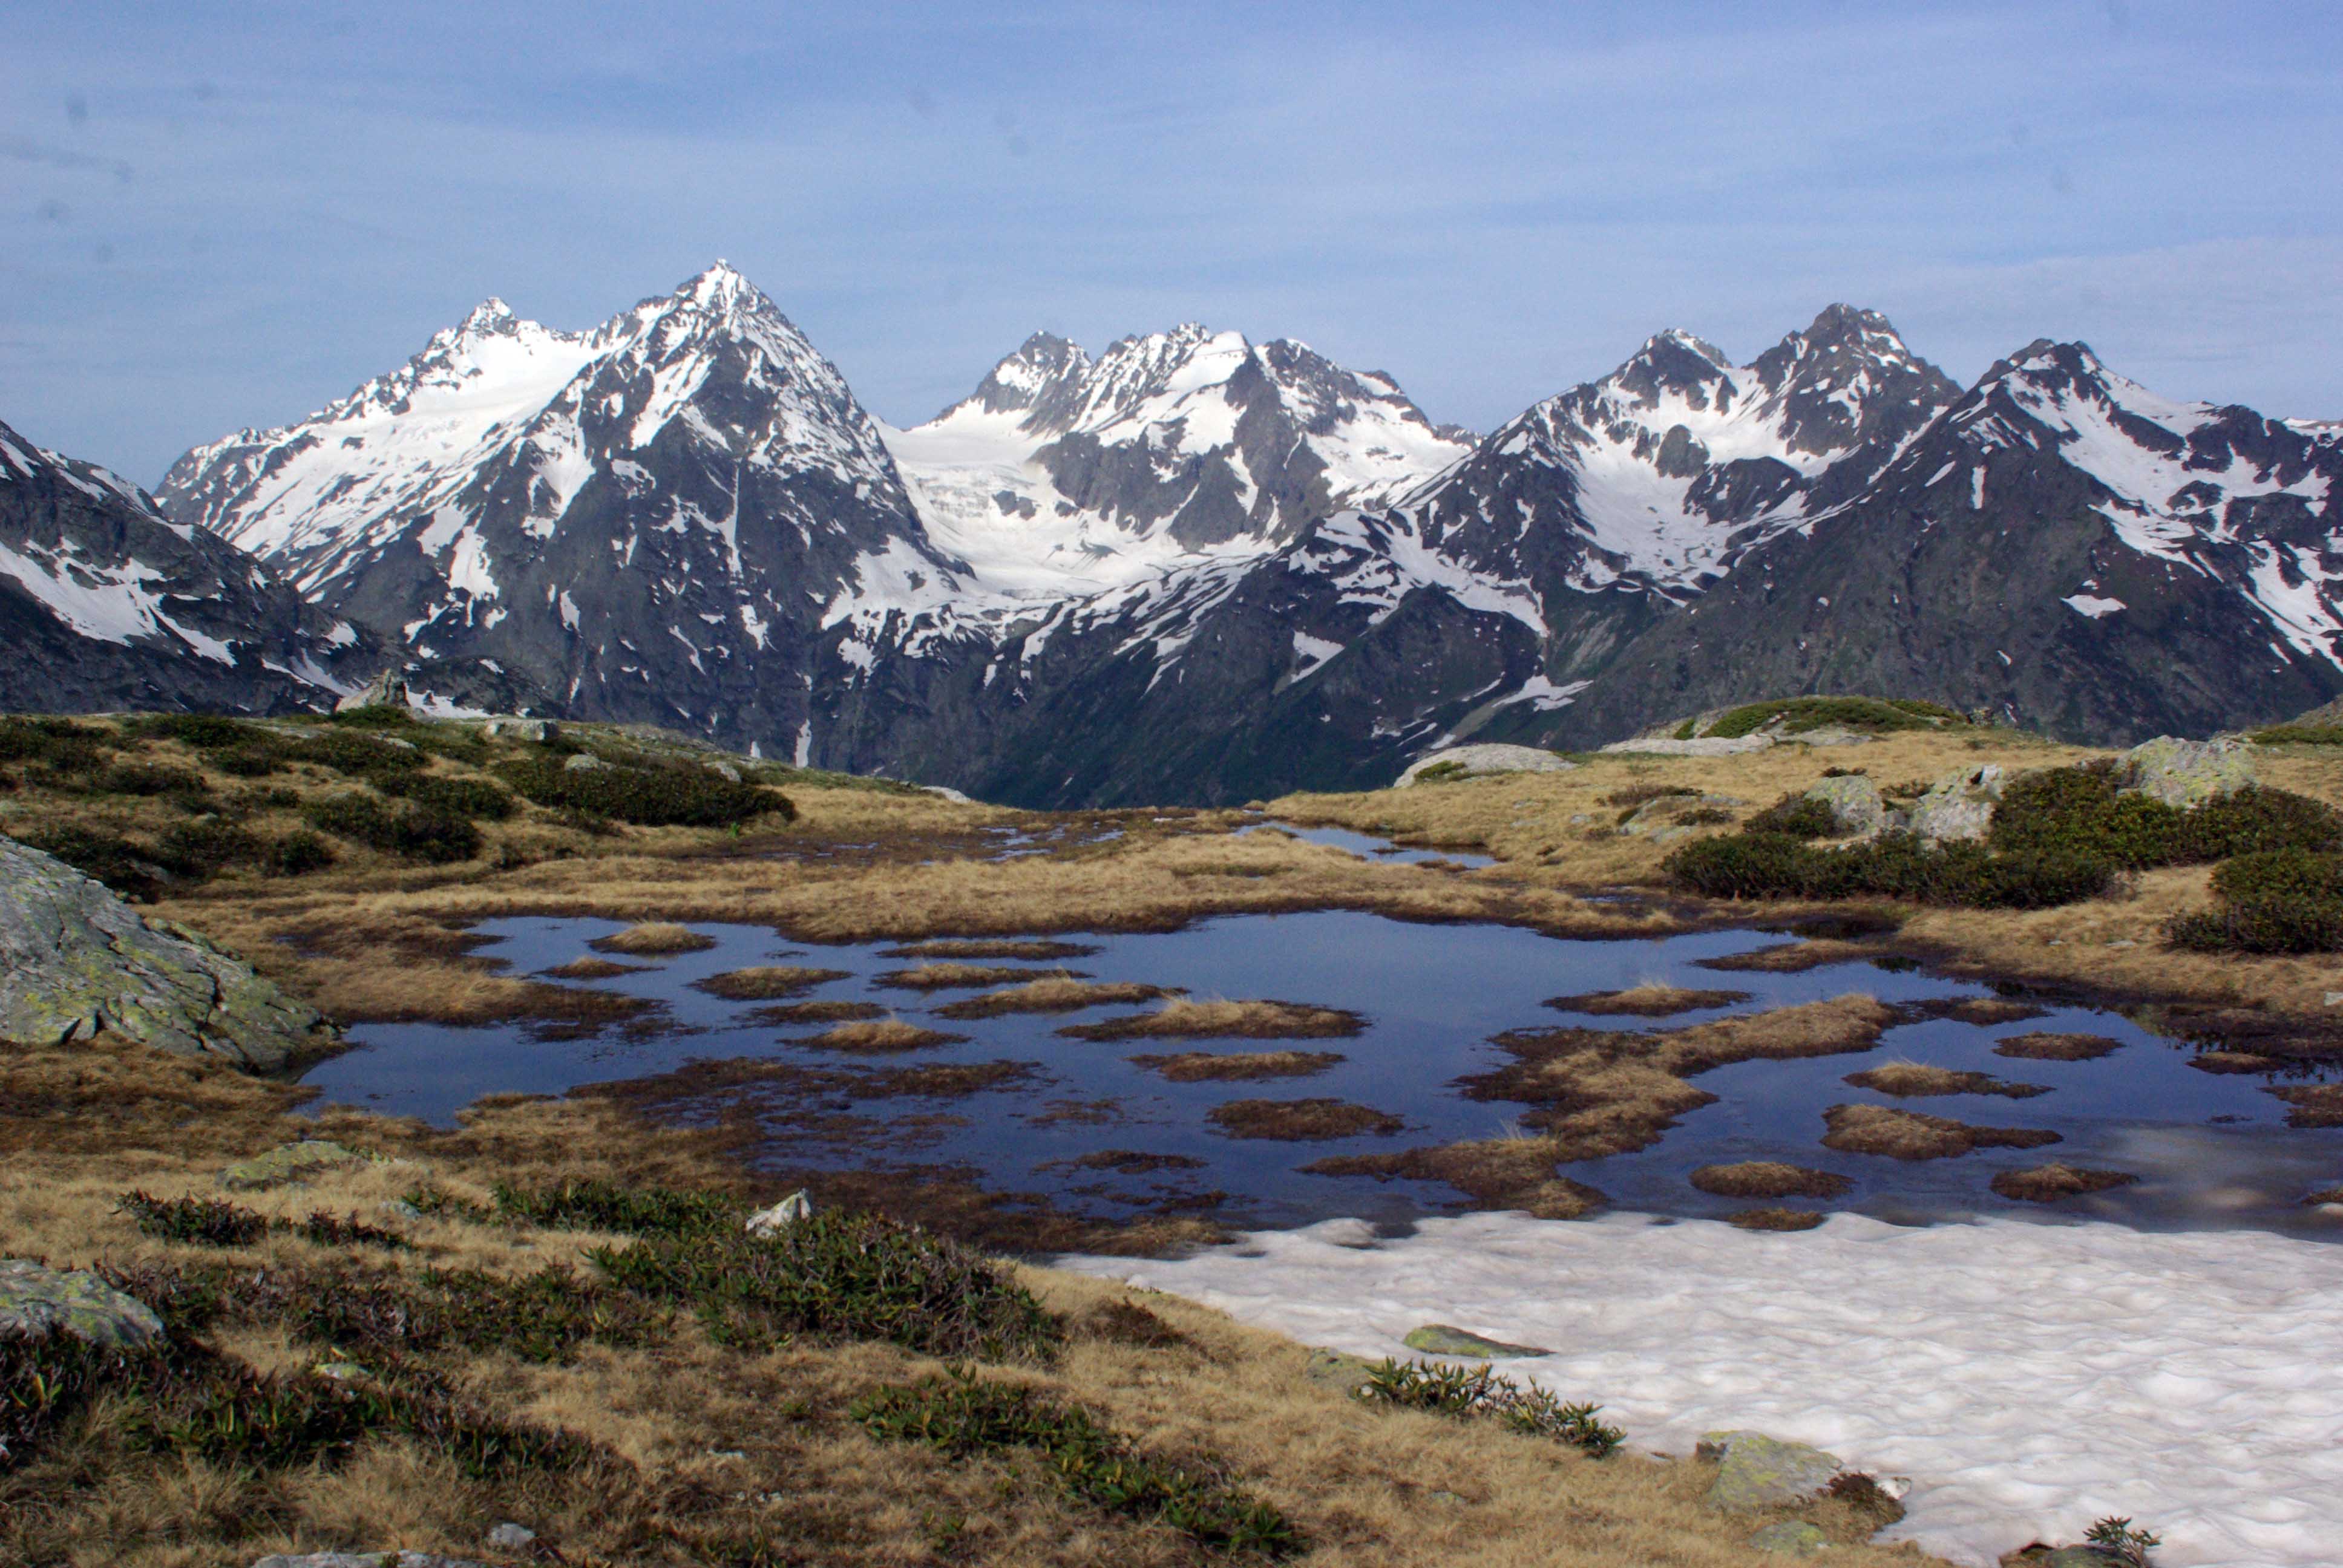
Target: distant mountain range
1195, 567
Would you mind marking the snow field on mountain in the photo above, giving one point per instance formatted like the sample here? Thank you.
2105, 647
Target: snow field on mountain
2028, 1377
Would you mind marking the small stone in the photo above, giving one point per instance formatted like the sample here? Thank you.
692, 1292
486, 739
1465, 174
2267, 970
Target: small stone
511, 1537
584, 762
770, 1222
289, 1162
1343, 1370
1754, 1470
1790, 1538
1441, 1340
37, 1301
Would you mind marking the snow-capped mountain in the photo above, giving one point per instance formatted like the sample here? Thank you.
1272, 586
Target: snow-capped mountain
1062, 474
652, 521
104, 605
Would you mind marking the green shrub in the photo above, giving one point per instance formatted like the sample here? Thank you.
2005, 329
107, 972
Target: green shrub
1800, 714
842, 1276
2254, 821
2082, 811
2300, 735
195, 1222
1893, 865
373, 716
596, 1205
1634, 794
246, 762
956, 1415
2271, 901
542, 1317
1443, 773
354, 755
1482, 1391
297, 853
204, 731
651, 798
46, 739
199, 849
470, 799
1796, 817
412, 833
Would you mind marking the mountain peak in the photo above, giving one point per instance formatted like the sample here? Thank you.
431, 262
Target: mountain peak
492, 318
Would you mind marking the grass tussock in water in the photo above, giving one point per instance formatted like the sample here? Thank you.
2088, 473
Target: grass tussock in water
1913, 1135
964, 977
2056, 1047
879, 1037
1495, 1173
1916, 1081
654, 939
766, 982
1034, 950
1769, 1179
801, 1012
1053, 993
1300, 1121
1649, 1000
1186, 1019
2054, 1183
1238, 1067
1774, 1219
594, 969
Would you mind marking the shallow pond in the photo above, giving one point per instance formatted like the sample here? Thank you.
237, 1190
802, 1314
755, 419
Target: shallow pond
2213, 1150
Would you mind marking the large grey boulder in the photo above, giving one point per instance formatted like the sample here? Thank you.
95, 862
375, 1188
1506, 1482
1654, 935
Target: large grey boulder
1957, 806
75, 962
37, 1301
1856, 810
1477, 761
2188, 773
388, 689
1754, 1470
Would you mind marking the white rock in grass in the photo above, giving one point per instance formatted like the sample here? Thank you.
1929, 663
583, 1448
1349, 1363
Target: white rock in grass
770, 1221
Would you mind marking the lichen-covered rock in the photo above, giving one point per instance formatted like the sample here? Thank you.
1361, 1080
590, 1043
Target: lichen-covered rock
2186, 773
1790, 1538
1957, 806
1754, 1470
1699, 745
1439, 1340
289, 1162
76, 962
584, 762
1343, 1370
1854, 805
1477, 761
512, 727
388, 689
37, 1301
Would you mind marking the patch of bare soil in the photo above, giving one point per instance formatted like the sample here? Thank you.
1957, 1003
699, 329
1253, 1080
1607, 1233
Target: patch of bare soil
1238, 1067
1768, 1179
1184, 1020
653, 939
1790, 958
2049, 1183
1503, 1173
1646, 1002
594, 969
1774, 1219
1598, 1093
879, 1037
1915, 1079
1039, 949
1913, 1135
766, 982
1053, 993
2057, 1046
1300, 1121
964, 977
802, 1012
2314, 1104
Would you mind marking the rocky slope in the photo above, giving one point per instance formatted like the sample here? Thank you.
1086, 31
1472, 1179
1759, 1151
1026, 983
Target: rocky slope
106, 604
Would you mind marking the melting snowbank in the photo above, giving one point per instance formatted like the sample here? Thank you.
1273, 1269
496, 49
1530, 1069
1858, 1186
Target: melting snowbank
2029, 1377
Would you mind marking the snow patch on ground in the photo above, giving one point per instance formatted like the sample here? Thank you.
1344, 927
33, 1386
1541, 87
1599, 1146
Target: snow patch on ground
2030, 1377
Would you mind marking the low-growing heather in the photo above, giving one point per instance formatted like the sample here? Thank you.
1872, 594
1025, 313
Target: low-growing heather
2273, 901
412, 833
959, 1414
470, 799
1893, 865
195, 1222
1800, 714
682, 796
2083, 810
128, 868
1484, 1392
2300, 735
1796, 817
596, 1205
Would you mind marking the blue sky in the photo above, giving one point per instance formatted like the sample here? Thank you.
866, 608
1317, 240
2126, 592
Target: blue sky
227, 215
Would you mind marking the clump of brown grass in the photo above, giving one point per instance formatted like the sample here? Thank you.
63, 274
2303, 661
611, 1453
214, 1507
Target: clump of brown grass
1037, 950
1185, 1020
1790, 958
1768, 1179
879, 1037
1053, 993
965, 977
1512, 1173
766, 982
1912, 1135
798, 1012
1978, 1010
595, 969
654, 939
1238, 1067
1300, 1121
1917, 1080
1125, 1163
1774, 1219
2050, 1184
1648, 1001
2313, 1104
2043, 1047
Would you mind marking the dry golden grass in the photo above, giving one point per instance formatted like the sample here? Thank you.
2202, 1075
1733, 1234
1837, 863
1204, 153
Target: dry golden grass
652, 938
1238, 1067
1300, 1120
766, 982
709, 1448
1918, 1081
595, 969
2050, 1184
1185, 1020
2043, 1047
1768, 1179
1774, 1219
965, 977
1509, 1172
1912, 1135
879, 1037
1053, 993
797, 1012
1650, 1000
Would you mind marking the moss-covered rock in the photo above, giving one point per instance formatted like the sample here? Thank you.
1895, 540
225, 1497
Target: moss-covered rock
290, 1163
1439, 1340
76, 962
1754, 1470
37, 1301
